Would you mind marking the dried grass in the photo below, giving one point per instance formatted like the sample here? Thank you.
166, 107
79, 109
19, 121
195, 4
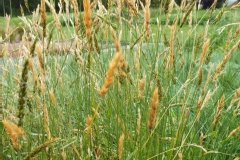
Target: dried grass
120, 146
153, 109
14, 132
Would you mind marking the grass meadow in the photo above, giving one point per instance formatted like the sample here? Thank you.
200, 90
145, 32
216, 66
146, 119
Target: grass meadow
134, 83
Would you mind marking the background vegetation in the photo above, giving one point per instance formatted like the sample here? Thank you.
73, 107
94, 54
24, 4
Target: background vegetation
12, 7
132, 83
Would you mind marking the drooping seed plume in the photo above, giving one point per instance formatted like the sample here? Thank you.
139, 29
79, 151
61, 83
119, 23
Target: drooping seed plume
110, 74
113, 66
14, 132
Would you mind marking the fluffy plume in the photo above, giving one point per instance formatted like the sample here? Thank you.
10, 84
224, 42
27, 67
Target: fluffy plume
14, 132
110, 74
141, 87
153, 110
76, 15
113, 66
87, 17
147, 18
43, 17
57, 21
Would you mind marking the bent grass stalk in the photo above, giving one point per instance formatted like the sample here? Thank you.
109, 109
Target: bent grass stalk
234, 132
41, 147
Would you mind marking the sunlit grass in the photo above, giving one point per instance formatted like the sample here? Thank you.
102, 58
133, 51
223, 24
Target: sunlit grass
91, 126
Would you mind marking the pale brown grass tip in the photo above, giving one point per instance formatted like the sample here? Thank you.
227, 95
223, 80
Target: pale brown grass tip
153, 109
120, 146
14, 132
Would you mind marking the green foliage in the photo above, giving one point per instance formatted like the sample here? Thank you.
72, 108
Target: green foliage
179, 132
12, 7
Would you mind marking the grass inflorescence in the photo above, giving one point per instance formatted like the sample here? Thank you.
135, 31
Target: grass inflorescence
134, 82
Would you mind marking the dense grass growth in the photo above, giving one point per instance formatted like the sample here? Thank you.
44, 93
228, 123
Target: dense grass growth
143, 86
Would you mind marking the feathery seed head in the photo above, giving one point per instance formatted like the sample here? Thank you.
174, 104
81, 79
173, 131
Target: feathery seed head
14, 132
120, 146
153, 109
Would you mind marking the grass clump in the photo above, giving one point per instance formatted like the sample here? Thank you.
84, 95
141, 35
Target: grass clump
130, 86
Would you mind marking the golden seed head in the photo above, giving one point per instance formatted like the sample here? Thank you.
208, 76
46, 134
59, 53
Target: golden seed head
234, 132
226, 58
52, 97
14, 132
139, 121
141, 87
46, 121
221, 104
120, 146
87, 17
204, 51
89, 122
76, 15
55, 15
110, 74
153, 109
147, 18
